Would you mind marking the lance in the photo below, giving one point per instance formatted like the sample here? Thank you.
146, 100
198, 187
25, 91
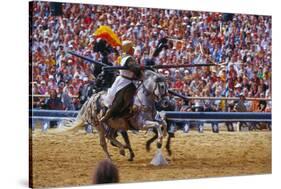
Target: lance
177, 94
87, 58
167, 66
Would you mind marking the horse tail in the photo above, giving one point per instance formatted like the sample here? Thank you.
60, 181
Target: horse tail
84, 116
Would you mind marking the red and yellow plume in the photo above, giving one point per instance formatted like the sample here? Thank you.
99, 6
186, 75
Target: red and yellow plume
107, 34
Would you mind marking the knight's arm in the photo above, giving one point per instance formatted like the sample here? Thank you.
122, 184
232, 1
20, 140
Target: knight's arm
163, 43
136, 68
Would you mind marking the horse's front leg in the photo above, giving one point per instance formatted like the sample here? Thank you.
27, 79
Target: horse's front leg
128, 145
156, 125
114, 141
103, 143
148, 143
117, 124
168, 144
163, 123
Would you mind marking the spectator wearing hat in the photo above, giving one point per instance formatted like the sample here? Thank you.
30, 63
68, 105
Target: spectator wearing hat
43, 89
240, 106
178, 84
238, 89
51, 82
76, 82
161, 71
195, 83
245, 83
65, 98
37, 102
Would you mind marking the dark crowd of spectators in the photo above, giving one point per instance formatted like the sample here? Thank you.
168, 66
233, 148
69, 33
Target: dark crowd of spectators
240, 43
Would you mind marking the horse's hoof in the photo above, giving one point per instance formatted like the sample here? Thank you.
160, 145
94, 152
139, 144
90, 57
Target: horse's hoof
132, 155
131, 159
169, 152
122, 152
168, 159
159, 145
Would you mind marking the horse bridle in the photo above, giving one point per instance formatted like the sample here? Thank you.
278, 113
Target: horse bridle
147, 92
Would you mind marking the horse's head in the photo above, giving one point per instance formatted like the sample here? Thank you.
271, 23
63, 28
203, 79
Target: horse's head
154, 84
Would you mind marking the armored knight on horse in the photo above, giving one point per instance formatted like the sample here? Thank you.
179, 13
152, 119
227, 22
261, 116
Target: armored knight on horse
140, 86
121, 94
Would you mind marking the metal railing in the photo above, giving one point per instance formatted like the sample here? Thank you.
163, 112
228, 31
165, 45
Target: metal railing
188, 97
45, 116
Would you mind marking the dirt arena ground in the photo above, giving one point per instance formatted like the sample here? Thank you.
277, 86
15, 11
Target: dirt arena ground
68, 159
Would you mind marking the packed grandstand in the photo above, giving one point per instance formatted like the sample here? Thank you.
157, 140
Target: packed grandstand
241, 44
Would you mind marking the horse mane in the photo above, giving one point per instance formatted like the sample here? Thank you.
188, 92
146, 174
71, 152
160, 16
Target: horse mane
158, 77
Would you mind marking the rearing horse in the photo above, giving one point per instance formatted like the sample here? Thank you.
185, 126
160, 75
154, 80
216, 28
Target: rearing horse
152, 89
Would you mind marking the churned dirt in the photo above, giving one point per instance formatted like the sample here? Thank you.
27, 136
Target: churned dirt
68, 159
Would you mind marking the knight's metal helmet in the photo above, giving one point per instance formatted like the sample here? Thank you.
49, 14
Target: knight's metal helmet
127, 46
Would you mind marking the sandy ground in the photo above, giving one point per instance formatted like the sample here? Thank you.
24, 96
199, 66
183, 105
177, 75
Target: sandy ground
68, 159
